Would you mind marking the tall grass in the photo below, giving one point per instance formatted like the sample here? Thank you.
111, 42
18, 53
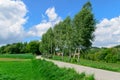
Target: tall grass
48, 71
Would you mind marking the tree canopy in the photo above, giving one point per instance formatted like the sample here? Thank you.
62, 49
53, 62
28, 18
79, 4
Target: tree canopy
70, 34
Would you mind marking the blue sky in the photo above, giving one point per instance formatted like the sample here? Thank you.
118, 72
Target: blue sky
101, 8
63, 8
25, 20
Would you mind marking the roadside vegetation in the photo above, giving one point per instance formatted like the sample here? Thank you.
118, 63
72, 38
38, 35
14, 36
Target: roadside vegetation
48, 71
108, 55
95, 64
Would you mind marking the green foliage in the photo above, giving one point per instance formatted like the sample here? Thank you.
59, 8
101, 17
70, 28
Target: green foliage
47, 44
70, 34
90, 56
58, 37
84, 24
18, 48
104, 54
14, 48
101, 55
112, 57
33, 47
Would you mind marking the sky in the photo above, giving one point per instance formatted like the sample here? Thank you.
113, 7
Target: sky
26, 20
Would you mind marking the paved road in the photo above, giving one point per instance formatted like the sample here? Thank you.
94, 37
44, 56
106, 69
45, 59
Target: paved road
98, 73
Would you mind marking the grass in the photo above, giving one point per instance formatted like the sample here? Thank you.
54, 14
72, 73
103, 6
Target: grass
36, 70
18, 56
12, 70
48, 71
100, 65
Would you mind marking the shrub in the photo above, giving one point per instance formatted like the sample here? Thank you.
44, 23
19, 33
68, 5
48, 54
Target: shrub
108, 58
91, 56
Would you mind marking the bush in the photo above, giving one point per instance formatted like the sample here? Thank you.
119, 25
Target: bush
118, 56
104, 54
90, 56
108, 58
113, 55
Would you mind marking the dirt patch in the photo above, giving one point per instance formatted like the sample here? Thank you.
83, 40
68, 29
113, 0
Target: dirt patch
13, 59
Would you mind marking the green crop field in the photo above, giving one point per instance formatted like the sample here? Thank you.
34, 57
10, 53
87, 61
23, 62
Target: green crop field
16, 70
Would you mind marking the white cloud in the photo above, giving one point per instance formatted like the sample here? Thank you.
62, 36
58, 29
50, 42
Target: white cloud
107, 33
12, 19
51, 14
39, 29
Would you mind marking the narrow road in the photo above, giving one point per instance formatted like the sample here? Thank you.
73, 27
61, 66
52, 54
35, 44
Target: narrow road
99, 74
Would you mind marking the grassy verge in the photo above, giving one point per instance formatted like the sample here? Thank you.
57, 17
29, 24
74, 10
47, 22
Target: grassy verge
19, 56
48, 71
38, 70
100, 65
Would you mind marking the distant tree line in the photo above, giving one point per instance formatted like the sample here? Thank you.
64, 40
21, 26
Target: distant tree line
18, 48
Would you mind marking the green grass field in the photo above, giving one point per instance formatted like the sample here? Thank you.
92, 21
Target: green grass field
37, 70
16, 70
100, 65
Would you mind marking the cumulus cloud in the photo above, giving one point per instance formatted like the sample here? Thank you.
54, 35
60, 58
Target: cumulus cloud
107, 33
12, 19
51, 14
39, 29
